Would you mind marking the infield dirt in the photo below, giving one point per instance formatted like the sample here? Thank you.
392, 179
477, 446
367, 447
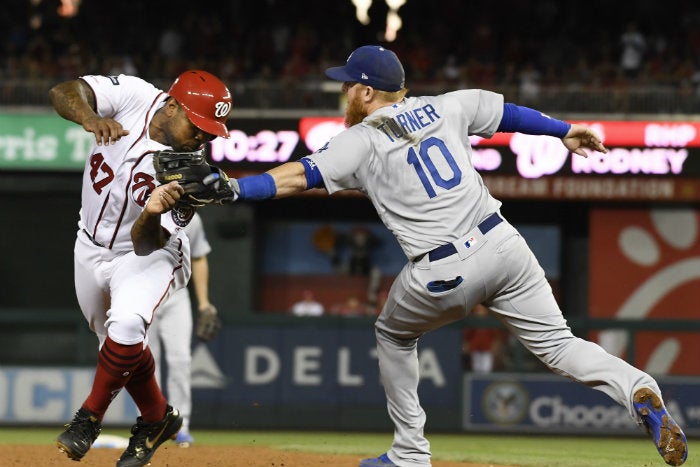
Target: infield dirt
195, 456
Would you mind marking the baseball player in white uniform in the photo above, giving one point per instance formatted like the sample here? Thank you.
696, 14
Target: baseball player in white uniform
307, 306
129, 253
171, 330
412, 158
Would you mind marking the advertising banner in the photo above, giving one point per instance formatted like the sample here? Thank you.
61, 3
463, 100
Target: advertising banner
328, 366
327, 369
645, 264
42, 142
52, 395
547, 403
647, 161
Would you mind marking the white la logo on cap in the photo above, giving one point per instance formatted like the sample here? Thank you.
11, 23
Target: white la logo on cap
364, 76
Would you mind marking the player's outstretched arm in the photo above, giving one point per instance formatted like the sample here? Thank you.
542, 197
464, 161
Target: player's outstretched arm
581, 137
75, 101
146, 234
529, 121
284, 180
289, 178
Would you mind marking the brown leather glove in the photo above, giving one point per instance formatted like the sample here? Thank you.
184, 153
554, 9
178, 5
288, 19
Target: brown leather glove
208, 323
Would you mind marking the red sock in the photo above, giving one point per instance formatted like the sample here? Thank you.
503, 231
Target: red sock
116, 364
144, 389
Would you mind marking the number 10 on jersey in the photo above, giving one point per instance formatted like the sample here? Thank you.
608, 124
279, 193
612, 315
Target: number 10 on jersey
433, 177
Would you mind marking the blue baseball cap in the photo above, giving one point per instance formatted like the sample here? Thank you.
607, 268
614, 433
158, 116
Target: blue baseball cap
371, 65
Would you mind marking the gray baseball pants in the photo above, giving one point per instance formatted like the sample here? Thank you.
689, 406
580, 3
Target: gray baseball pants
499, 270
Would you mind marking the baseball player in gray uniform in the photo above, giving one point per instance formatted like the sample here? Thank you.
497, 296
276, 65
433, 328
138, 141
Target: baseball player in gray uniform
171, 330
130, 254
412, 158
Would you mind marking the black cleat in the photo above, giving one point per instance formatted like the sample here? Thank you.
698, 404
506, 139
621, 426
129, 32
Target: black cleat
146, 437
80, 433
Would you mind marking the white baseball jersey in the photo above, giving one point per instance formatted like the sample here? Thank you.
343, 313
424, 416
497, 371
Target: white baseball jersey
405, 155
199, 245
119, 177
114, 285
307, 308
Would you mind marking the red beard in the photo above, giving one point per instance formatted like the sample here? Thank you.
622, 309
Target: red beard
354, 113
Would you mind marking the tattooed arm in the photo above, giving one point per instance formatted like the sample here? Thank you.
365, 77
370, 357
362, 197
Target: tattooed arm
75, 101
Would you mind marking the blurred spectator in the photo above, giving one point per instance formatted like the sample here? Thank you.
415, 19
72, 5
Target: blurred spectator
581, 75
450, 69
170, 42
307, 306
482, 345
361, 242
695, 82
633, 48
122, 64
325, 239
529, 84
351, 308
249, 44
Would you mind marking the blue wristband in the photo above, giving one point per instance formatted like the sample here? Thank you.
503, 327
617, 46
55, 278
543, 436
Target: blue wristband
530, 122
257, 187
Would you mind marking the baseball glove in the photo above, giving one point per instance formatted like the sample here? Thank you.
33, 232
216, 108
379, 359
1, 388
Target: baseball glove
203, 183
208, 323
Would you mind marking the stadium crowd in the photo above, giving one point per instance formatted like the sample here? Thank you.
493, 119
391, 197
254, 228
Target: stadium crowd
526, 45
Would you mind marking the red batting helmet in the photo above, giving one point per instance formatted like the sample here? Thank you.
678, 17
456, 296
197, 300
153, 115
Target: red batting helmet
206, 100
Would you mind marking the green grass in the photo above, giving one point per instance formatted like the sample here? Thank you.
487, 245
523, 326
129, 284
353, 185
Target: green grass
524, 451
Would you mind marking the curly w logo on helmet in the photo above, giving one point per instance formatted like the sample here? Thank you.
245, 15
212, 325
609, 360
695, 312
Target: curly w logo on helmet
222, 109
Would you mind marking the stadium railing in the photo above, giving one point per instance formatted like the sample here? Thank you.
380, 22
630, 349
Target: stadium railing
305, 96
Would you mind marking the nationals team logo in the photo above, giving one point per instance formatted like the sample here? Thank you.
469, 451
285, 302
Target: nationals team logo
222, 109
141, 188
182, 214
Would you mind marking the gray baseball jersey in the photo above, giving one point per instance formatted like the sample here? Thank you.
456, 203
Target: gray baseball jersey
171, 332
413, 160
